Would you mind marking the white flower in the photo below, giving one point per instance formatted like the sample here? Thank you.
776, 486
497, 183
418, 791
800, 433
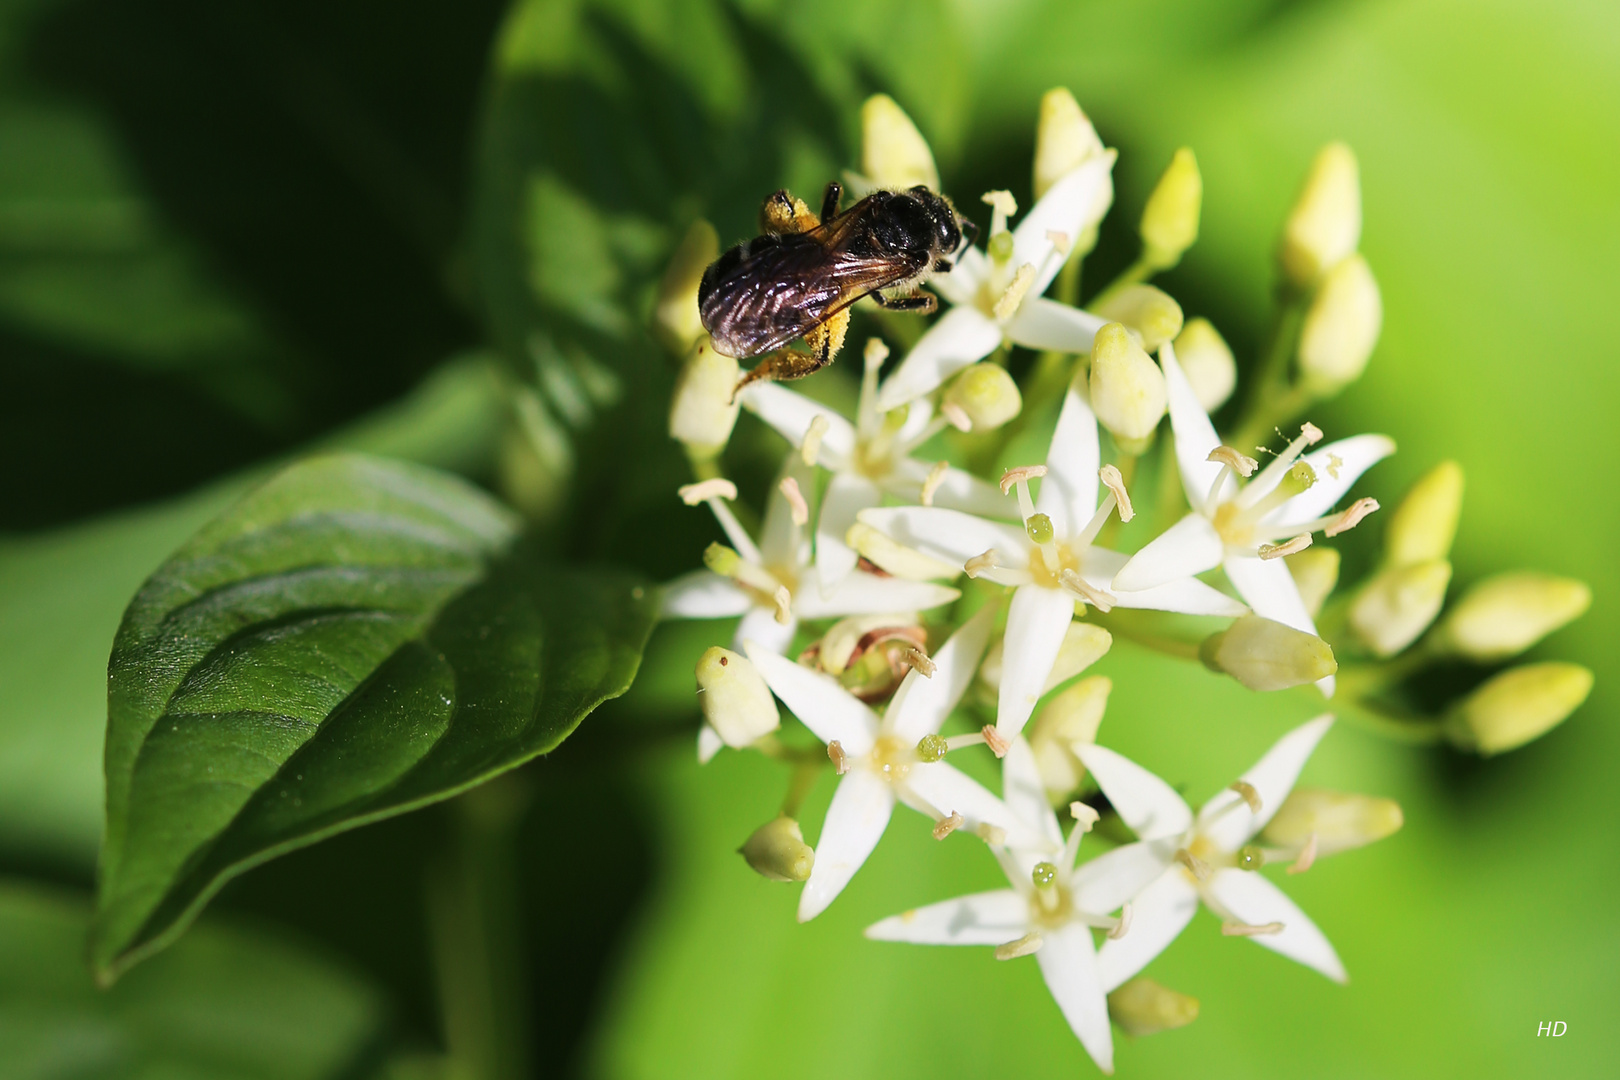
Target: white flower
1181, 859
1051, 559
1049, 911
1235, 524
998, 295
868, 459
879, 759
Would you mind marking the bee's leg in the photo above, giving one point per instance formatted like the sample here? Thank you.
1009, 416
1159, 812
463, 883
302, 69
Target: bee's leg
785, 365
785, 212
970, 232
830, 199
921, 303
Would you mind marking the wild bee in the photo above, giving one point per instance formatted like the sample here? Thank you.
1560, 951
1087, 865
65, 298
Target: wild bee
800, 277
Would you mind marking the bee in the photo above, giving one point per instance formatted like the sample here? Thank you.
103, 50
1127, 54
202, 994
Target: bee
800, 277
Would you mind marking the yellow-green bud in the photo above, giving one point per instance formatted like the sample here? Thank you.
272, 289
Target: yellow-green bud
1127, 388
675, 317
735, 701
1070, 718
703, 413
895, 558
838, 643
1144, 1007
1424, 524
1398, 604
777, 851
1519, 705
1266, 655
1337, 820
1341, 327
987, 394
1207, 361
893, 152
1151, 312
1324, 226
1064, 139
1504, 615
1170, 218
1315, 571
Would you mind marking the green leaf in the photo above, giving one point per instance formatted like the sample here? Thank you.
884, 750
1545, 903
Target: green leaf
356, 638
226, 1003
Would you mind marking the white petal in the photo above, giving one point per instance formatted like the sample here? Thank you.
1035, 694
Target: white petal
790, 414
940, 786
1189, 596
1037, 619
859, 813
709, 744
1064, 209
958, 490
1025, 795
818, 701
923, 702
1270, 590
949, 535
987, 918
1147, 804
1112, 878
1249, 897
759, 625
703, 594
1188, 547
1158, 914
1069, 966
1273, 778
1069, 488
1045, 324
962, 336
847, 495
860, 593
1355, 456
1195, 435
961, 285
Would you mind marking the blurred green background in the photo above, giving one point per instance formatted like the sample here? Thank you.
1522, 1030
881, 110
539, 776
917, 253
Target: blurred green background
229, 234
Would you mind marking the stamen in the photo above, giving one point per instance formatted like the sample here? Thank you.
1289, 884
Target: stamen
956, 416
936, 477
995, 740
1292, 547
1197, 867
790, 491
810, 449
1003, 206
1271, 476
1084, 815
1060, 240
1351, 517
784, 604
1007, 303
704, 490
947, 825
919, 661
876, 352
1233, 928
1307, 856
1310, 433
1122, 927
979, 564
1238, 462
1027, 945
1115, 483
1248, 793
840, 760
957, 742
994, 835
1097, 598
735, 532
1020, 474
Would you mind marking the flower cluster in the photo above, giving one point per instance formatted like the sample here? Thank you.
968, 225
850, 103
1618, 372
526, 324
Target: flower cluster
906, 602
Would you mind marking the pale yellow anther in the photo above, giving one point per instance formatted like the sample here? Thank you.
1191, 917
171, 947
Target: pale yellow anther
1197, 867
1115, 483
1233, 928
1311, 433
994, 835
1001, 201
1017, 289
936, 477
1350, 517
1247, 792
1123, 926
956, 416
1084, 816
1097, 598
789, 487
920, 661
704, 490
1020, 473
1306, 857
1060, 240
998, 743
1238, 462
840, 760
876, 352
980, 563
810, 449
784, 604
945, 826
1289, 547
1027, 945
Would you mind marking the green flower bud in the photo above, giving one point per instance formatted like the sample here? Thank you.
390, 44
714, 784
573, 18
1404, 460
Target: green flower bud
735, 701
777, 851
1144, 1007
895, 558
1341, 327
931, 748
1170, 218
1338, 821
703, 410
987, 394
1519, 705
1207, 362
1064, 139
838, 643
1324, 226
1504, 615
1150, 312
1398, 604
1266, 655
675, 316
1069, 719
1127, 388
893, 152
1315, 571
1424, 524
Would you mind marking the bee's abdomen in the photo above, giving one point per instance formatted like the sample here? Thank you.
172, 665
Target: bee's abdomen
750, 301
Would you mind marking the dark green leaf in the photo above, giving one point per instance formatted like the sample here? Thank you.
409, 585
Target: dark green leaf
356, 638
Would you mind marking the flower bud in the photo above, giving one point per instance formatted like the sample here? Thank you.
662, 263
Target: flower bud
1338, 821
1150, 312
777, 851
1071, 717
736, 702
1519, 705
1207, 362
1504, 615
893, 152
1064, 139
1424, 524
987, 394
1324, 226
1341, 327
1170, 218
895, 558
1315, 571
1143, 1007
675, 317
839, 642
1398, 604
1266, 655
703, 410
1127, 388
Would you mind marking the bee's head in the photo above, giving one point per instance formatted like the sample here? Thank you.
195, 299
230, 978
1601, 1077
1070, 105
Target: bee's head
947, 227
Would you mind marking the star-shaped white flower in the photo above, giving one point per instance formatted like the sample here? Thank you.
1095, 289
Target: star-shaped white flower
1235, 524
868, 459
1049, 911
1051, 559
1182, 858
878, 757
997, 295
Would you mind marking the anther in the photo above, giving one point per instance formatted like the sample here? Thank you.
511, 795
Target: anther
1016, 290
1197, 867
1060, 240
790, 491
980, 563
840, 760
876, 352
1021, 472
956, 416
1291, 547
1311, 433
1350, 517
1233, 928
784, 604
1097, 598
1002, 202
919, 661
1114, 482
1085, 817
1122, 927
1306, 857
1238, 462
810, 449
936, 477
1248, 793
947, 825
1027, 945
995, 740
704, 490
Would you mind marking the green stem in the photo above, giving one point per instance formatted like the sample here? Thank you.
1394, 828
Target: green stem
1134, 274
1272, 399
805, 775
1128, 627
